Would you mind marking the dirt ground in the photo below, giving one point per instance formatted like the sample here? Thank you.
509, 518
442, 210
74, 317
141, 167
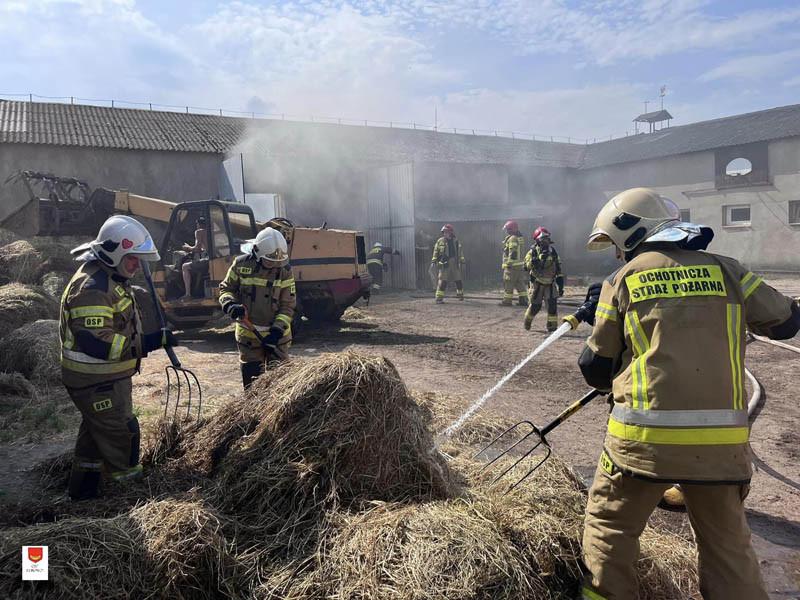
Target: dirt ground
461, 349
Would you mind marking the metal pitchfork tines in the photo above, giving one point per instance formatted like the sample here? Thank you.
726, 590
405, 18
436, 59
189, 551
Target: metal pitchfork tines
176, 374
539, 450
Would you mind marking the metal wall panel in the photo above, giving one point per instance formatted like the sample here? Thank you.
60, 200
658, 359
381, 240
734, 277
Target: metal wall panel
390, 208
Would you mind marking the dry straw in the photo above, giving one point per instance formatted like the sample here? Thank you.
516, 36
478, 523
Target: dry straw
26, 261
323, 483
21, 304
33, 350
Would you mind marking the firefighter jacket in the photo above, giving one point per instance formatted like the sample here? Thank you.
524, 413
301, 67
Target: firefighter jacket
445, 250
100, 328
513, 252
672, 323
268, 294
543, 264
375, 256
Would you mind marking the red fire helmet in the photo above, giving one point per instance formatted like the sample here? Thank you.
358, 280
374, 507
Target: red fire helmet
511, 226
540, 233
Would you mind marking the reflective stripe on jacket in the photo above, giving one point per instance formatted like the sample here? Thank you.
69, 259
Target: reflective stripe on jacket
513, 252
441, 251
673, 322
543, 265
100, 310
375, 256
268, 294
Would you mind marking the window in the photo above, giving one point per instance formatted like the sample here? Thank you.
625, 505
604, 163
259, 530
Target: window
738, 167
794, 212
736, 215
686, 215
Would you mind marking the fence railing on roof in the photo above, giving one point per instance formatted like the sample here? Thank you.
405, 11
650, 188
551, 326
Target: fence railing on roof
221, 112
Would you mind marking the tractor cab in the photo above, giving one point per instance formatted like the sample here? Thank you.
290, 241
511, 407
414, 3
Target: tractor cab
200, 243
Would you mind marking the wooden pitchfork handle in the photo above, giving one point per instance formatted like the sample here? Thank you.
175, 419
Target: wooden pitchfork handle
245, 320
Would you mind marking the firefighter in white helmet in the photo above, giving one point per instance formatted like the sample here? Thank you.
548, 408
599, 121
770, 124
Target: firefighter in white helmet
376, 263
101, 346
260, 285
669, 342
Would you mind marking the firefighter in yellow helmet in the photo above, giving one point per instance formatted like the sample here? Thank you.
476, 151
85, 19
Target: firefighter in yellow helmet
547, 282
102, 344
448, 256
260, 287
669, 342
515, 277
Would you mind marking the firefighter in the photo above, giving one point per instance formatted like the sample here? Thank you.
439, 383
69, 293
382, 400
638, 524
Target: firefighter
448, 256
376, 265
260, 286
513, 265
547, 282
102, 345
669, 342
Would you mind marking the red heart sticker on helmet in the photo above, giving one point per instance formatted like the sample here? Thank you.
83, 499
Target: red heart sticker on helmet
127, 244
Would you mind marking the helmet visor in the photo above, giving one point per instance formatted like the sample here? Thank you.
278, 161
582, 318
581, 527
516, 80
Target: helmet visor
598, 240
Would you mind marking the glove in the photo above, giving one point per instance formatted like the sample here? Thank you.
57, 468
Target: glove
162, 338
272, 338
396, 252
560, 285
235, 311
589, 307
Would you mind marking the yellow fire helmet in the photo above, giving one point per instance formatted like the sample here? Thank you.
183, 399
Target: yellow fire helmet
631, 217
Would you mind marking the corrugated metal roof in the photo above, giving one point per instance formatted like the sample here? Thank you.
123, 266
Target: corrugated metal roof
772, 124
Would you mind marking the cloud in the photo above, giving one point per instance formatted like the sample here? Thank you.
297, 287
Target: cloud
753, 67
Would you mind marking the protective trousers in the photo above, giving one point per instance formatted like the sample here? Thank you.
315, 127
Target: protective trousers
253, 358
108, 438
376, 271
515, 280
450, 272
616, 514
538, 293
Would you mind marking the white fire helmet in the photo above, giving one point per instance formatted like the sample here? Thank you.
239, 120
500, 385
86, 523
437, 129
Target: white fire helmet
377, 245
119, 236
268, 245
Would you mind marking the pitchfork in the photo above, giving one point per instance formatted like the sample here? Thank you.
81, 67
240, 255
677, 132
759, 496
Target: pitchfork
174, 371
537, 438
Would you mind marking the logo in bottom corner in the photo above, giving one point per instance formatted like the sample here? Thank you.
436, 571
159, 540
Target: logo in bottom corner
34, 563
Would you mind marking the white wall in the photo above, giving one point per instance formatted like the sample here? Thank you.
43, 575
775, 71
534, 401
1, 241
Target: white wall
769, 243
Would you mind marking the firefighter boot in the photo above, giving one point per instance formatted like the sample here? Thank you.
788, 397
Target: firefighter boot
460, 290
250, 370
530, 314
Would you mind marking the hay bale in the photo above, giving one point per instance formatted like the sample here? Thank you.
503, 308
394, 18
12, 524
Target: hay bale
172, 548
7, 236
54, 283
345, 422
15, 391
33, 350
484, 545
21, 304
27, 261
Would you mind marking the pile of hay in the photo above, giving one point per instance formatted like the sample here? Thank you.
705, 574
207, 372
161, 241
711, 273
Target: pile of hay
34, 351
323, 482
27, 261
54, 282
173, 549
21, 304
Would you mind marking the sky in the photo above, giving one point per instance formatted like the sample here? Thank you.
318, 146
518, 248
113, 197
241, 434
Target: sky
562, 68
